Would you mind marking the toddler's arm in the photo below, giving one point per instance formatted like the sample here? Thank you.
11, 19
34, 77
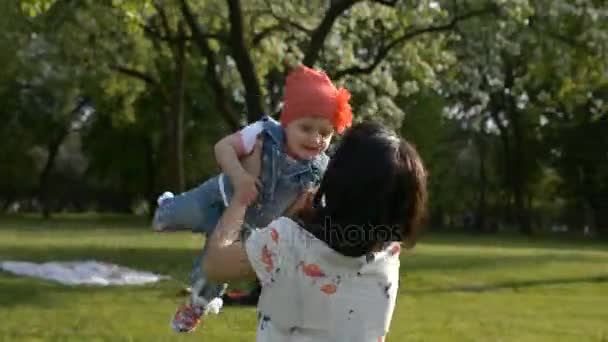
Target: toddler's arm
231, 158
241, 161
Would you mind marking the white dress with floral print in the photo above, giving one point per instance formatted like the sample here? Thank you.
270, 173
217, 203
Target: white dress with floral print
312, 293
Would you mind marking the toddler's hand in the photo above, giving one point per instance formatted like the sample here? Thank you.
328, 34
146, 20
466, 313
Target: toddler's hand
246, 188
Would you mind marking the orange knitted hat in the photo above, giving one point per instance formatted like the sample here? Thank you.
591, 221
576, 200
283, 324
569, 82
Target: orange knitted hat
310, 93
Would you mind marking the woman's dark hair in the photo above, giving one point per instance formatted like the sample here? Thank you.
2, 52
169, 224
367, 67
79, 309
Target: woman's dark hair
373, 192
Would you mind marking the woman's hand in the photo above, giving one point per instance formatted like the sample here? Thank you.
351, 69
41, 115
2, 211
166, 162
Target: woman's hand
246, 188
226, 258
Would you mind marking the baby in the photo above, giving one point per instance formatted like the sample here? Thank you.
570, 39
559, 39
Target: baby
287, 158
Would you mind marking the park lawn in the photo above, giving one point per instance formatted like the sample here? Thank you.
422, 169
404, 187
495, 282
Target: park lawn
453, 287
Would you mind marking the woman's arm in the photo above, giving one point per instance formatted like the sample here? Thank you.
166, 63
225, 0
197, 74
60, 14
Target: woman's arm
232, 152
226, 258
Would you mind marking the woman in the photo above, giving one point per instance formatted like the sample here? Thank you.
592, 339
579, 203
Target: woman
331, 274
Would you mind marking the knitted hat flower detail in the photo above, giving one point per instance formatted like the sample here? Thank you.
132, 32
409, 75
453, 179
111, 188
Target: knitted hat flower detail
310, 93
343, 117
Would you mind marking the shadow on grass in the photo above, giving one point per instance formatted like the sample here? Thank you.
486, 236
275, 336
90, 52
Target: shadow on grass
455, 262
95, 221
77, 222
176, 263
511, 240
514, 285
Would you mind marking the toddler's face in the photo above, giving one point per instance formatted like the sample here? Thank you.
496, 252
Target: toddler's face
308, 137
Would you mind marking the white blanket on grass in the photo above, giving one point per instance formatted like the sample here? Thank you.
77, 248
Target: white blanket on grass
81, 272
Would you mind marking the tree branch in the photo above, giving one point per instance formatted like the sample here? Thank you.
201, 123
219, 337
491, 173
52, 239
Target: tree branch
284, 21
244, 63
166, 38
221, 99
390, 3
317, 39
152, 32
544, 31
136, 74
142, 76
385, 49
281, 25
164, 23
257, 38
294, 24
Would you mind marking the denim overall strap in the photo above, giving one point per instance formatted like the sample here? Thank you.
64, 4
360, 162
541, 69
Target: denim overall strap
312, 169
272, 136
318, 166
272, 154
308, 173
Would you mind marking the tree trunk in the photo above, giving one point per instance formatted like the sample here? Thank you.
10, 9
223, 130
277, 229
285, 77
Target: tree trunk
150, 175
519, 178
240, 52
518, 157
599, 208
274, 81
480, 216
222, 100
595, 204
44, 182
505, 140
317, 40
242, 57
175, 119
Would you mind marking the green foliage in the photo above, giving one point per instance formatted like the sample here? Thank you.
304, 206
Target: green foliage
35, 8
470, 82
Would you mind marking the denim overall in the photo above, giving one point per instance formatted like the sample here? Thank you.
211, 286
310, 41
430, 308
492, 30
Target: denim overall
199, 209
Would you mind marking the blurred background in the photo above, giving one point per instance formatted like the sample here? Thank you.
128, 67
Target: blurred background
105, 104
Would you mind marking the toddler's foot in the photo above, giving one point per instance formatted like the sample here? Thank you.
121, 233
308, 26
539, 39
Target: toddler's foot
215, 305
187, 318
157, 225
164, 196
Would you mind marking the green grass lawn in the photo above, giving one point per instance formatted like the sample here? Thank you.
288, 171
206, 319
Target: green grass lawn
453, 288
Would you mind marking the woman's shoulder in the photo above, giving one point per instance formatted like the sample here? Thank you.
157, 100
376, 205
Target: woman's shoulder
289, 229
295, 237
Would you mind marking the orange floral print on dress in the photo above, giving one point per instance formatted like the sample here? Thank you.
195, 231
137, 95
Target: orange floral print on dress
267, 258
312, 270
329, 289
274, 235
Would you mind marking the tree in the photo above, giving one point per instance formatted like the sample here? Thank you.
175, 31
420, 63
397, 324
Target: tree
502, 75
